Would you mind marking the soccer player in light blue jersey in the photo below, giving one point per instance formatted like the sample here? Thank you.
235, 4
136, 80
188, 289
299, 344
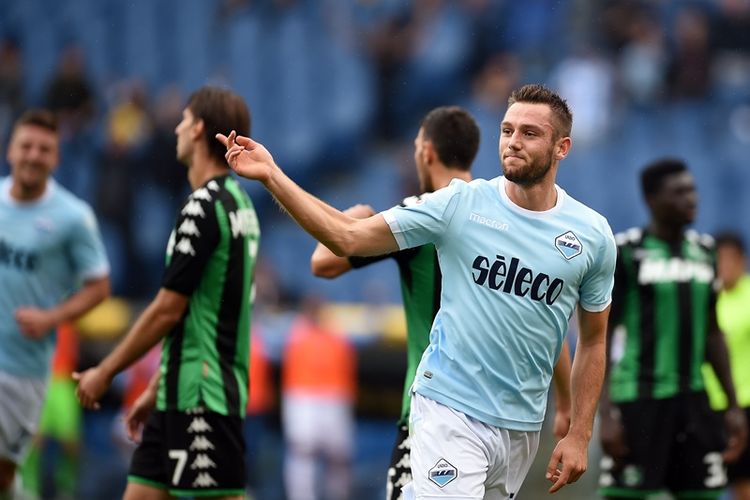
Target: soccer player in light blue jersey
53, 268
518, 256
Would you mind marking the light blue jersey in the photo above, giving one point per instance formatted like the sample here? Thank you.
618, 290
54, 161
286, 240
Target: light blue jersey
48, 247
511, 281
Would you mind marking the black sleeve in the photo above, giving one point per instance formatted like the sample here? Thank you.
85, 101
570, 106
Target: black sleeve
193, 240
618, 292
398, 256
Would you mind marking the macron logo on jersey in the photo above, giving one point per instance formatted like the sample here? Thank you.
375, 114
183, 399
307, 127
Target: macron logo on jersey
511, 278
486, 221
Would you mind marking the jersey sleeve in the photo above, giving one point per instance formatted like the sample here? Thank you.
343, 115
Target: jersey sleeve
426, 218
597, 284
87, 249
193, 240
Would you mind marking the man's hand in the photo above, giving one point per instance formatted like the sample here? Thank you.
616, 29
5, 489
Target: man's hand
35, 323
568, 462
360, 211
248, 158
92, 384
612, 434
737, 429
138, 414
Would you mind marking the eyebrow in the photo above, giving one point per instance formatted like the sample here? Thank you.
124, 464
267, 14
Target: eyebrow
524, 126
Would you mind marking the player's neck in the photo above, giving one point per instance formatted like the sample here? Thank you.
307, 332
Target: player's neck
443, 176
202, 170
666, 232
24, 194
538, 197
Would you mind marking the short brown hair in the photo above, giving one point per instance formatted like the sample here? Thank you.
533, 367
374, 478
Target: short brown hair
221, 111
38, 117
539, 94
455, 135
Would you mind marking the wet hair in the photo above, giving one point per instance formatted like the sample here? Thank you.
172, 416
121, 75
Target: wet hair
731, 239
455, 135
653, 174
38, 117
539, 94
221, 111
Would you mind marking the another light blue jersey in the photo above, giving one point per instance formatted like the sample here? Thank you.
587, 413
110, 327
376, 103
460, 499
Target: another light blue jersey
48, 248
511, 281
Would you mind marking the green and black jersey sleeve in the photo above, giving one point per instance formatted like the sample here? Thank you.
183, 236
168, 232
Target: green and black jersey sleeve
211, 258
661, 304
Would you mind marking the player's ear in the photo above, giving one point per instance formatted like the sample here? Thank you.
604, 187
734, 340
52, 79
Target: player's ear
428, 150
562, 148
198, 128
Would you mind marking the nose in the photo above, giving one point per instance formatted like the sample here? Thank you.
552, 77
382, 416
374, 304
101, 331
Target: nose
514, 141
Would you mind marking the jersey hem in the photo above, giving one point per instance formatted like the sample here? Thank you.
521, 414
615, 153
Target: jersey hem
207, 493
500, 422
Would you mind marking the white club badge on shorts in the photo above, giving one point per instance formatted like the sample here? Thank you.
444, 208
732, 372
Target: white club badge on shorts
442, 473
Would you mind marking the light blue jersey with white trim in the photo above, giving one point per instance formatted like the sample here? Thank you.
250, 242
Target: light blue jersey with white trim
48, 247
511, 281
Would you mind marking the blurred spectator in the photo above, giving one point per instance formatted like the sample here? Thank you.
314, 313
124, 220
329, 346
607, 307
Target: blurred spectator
734, 319
69, 93
642, 62
731, 35
11, 85
260, 404
319, 383
689, 67
585, 79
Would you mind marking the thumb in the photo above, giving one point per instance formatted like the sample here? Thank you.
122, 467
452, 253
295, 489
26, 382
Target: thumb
76, 376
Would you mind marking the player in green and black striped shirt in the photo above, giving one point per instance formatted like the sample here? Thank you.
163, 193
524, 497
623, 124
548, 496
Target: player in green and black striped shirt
445, 147
192, 443
656, 428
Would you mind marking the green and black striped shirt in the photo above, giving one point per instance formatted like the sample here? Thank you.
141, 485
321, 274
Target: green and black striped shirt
661, 303
211, 258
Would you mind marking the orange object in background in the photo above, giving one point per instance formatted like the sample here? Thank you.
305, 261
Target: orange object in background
260, 400
318, 361
65, 358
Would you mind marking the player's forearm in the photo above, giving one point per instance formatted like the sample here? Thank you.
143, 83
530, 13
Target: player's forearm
586, 386
561, 380
326, 264
323, 222
152, 325
92, 293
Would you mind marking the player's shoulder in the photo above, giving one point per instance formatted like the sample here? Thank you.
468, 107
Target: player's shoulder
703, 240
630, 237
67, 203
586, 215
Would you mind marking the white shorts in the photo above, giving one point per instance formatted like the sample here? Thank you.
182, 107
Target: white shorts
456, 456
20, 405
319, 424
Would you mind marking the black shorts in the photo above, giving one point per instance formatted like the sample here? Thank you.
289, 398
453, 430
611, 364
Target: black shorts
399, 472
192, 453
674, 444
740, 470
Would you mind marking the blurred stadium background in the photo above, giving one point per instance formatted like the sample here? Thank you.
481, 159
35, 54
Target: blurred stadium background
336, 89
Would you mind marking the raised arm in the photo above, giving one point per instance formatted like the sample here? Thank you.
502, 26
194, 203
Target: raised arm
586, 384
343, 234
326, 264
